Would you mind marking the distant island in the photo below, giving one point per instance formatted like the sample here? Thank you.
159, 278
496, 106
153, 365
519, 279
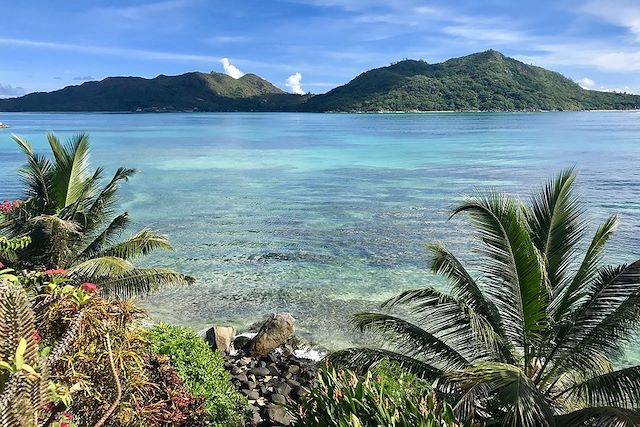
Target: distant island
485, 81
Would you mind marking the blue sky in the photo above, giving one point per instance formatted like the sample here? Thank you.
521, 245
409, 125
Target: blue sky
49, 44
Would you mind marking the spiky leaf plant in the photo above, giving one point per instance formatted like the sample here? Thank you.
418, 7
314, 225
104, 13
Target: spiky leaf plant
24, 378
527, 338
72, 222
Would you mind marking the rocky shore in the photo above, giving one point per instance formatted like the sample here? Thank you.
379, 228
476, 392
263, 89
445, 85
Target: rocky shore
271, 367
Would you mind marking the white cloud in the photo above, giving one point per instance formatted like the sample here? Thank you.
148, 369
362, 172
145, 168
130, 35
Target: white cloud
586, 83
484, 34
623, 13
294, 83
99, 50
230, 69
227, 39
138, 12
7, 91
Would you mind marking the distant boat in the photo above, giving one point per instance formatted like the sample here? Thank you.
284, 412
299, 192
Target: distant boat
3, 126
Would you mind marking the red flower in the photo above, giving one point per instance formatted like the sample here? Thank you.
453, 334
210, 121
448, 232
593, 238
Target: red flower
36, 336
1, 264
56, 271
68, 415
89, 287
64, 425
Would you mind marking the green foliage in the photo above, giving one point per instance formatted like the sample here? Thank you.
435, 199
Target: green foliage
68, 354
527, 338
202, 371
186, 92
486, 81
384, 396
25, 385
69, 217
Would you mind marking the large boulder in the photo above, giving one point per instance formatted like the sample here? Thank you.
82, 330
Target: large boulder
275, 332
220, 337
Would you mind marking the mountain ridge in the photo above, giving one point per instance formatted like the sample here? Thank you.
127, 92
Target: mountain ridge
482, 81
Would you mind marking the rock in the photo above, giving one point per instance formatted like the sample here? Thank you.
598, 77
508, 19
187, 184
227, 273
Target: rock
251, 394
298, 392
244, 361
235, 370
241, 342
278, 399
260, 372
293, 369
284, 389
242, 377
278, 415
219, 338
272, 334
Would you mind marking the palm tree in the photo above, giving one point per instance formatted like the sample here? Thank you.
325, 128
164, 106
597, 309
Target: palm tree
529, 337
72, 223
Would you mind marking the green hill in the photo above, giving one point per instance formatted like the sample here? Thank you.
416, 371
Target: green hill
486, 81
186, 92
481, 81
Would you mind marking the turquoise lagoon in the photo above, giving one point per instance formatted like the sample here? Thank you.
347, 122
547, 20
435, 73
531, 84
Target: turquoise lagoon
323, 215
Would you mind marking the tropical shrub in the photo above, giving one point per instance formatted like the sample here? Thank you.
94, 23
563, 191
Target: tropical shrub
26, 390
172, 404
383, 396
71, 221
530, 336
202, 372
100, 371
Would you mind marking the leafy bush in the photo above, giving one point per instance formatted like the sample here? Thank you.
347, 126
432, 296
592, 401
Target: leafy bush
384, 396
181, 408
91, 359
202, 371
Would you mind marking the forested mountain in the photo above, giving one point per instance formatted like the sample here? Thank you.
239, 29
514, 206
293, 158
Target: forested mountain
485, 81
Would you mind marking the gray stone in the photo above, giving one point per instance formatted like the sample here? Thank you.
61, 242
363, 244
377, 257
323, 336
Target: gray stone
279, 399
219, 337
284, 389
272, 334
293, 369
260, 372
241, 342
251, 394
242, 377
299, 392
278, 415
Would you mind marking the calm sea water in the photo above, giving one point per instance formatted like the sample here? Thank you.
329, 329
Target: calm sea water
324, 215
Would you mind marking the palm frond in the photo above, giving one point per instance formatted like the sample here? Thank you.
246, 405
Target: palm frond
410, 339
464, 287
140, 244
363, 359
557, 224
606, 320
71, 166
513, 268
102, 206
140, 281
567, 296
100, 268
36, 174
505, 391
600, 417
106, 237
618, 388
452, 319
